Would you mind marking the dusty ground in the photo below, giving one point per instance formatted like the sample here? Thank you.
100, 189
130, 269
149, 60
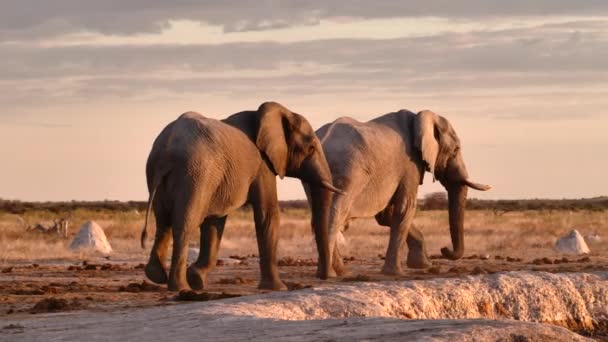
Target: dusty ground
39, 275
105, 286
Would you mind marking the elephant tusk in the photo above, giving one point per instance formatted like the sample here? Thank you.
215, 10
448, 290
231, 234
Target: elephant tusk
327, 185
477, 186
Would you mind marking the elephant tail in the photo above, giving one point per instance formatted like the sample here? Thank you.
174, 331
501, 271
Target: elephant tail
155, 184
144, 232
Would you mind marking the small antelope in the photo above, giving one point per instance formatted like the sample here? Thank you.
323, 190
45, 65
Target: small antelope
60, 227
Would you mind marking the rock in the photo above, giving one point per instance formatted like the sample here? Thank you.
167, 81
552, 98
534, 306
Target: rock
572, 300
506, 306
573, 243
91, 238
238, 328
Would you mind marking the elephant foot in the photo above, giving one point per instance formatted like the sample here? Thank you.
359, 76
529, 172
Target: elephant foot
156, 272
418, 260
177, 286
391, 270
330, 274
177, 279
449, 254
272, 285
338, 265
342, 271
333, 272
197, 278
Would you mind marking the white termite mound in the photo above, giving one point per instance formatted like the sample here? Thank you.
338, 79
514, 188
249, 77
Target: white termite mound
573, 243
91, 238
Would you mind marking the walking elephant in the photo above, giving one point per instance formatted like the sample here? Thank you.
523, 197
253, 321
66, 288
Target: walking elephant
201, 169
379, 165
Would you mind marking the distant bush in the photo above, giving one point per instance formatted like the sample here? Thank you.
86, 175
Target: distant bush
432, 201
595, 204
18, 207
439, 201
294, 204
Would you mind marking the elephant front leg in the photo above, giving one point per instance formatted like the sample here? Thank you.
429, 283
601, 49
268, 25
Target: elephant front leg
266, 231
338, 263
155, 268
337, 269
417, 256
402, 220
211, 235
337, 224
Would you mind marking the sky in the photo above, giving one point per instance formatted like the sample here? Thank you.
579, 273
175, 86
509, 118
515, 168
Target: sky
86, 86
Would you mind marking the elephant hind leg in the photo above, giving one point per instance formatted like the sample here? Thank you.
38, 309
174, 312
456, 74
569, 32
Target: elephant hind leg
179, 258
188, 214
417, 256
155, 268
210, 235
403, 216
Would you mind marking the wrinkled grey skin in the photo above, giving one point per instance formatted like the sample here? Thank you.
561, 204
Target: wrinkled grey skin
379, 165
201, 169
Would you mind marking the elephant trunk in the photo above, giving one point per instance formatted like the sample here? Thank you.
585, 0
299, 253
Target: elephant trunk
457, 197
316, 173
320, 202
456, 181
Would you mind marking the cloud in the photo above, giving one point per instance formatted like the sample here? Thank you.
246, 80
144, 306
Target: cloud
567, 60
32, 19
532, 50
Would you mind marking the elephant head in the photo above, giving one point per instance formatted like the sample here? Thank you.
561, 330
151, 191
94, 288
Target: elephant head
440, 150
292, 148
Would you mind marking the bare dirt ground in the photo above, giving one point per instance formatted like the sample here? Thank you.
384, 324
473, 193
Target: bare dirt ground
39, 276
105, 286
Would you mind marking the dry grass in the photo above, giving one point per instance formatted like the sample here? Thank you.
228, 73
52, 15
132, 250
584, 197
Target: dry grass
520, 233
525, 233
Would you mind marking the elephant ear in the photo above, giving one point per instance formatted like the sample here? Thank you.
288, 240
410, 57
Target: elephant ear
425, 139
271, 137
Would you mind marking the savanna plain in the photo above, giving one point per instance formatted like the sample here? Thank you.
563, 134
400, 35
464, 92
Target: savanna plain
41, 277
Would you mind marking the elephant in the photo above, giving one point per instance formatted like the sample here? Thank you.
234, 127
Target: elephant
201, 169
380, 164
